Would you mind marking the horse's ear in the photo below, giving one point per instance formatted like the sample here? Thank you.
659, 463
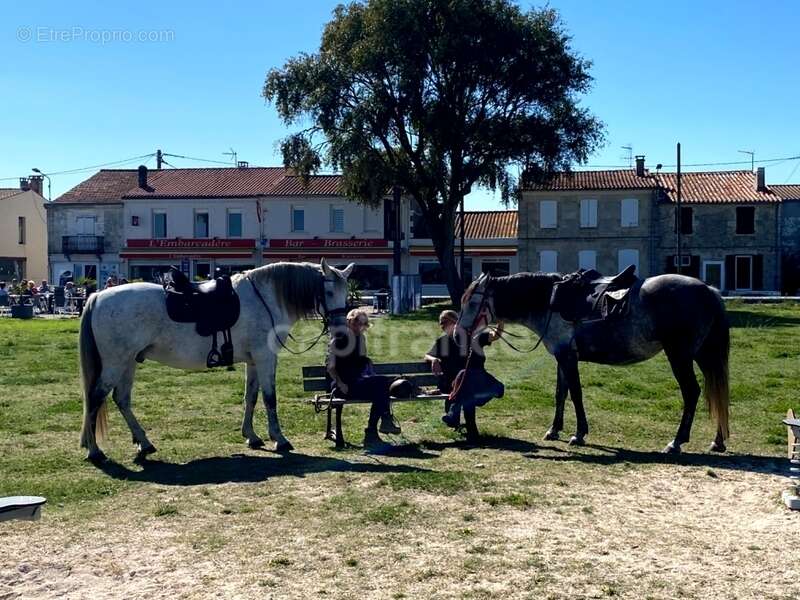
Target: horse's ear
347, 270
326, 270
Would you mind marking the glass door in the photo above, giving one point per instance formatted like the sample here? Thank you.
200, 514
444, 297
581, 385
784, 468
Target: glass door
714, 273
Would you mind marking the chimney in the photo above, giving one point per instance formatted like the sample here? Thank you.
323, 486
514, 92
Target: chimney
761, 185
640, 165
35, 183
24, 184
142, 177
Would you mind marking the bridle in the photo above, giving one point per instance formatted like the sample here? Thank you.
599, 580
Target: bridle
319, 301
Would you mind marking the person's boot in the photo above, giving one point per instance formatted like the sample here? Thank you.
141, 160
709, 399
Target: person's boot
452, 418
389, 424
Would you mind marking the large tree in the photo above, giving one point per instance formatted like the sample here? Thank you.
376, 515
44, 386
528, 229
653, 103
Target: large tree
436, 96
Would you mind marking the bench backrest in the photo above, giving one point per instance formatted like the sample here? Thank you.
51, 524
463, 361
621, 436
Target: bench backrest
315, 378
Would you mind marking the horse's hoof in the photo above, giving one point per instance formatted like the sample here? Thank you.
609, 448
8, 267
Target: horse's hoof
717, 447
551, 435
672, 449
144, 453
284, 447
577, 441
255, 443
97, 457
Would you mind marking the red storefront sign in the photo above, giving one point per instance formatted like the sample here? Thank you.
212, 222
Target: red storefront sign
192, 243
329, 243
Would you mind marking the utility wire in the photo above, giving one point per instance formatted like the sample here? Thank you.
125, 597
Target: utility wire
92, 167
208, 160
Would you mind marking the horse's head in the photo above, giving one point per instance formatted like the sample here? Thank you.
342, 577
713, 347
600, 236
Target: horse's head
333, 298
477, 306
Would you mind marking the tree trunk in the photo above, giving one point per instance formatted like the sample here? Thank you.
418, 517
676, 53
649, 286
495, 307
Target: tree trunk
443, 238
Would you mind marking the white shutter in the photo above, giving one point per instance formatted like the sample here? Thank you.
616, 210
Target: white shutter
587, 259
628, 257
589, 212
630, 212
548, 261
548, 214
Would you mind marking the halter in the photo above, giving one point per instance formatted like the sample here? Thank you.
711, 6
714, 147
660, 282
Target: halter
484, 305
319, 300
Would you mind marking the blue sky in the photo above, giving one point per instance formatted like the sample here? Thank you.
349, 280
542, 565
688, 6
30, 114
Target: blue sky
717, 76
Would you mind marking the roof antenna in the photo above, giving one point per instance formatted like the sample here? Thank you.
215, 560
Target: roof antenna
232, 154
629, 157
752, 154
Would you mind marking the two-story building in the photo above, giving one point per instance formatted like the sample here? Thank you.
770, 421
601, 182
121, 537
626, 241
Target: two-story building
231, 219
23, 231
789, 235
729, 225
600, 220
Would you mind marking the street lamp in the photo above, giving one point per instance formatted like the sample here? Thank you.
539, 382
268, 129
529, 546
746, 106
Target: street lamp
49, 197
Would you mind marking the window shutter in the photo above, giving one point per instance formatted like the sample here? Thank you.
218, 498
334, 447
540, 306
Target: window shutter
758, 272
730, 272
694, 268
548, 214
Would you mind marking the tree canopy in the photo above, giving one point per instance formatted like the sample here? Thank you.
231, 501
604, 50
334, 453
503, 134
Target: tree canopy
436, 96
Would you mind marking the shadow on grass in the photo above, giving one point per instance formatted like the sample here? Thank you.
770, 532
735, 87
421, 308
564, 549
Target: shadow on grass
743, 319
768, 465
242, 469
492, 442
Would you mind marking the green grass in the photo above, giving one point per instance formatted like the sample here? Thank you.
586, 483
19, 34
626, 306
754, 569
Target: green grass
195, 417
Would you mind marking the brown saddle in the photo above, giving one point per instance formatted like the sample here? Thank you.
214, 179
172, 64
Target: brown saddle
212, 305
587, 295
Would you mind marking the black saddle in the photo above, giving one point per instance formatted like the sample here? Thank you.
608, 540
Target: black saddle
212, 305
588, 295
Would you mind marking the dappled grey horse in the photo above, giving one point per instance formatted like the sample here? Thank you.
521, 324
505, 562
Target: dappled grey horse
129, 323
680, 315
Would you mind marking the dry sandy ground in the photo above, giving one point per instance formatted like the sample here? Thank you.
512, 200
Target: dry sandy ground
656, 532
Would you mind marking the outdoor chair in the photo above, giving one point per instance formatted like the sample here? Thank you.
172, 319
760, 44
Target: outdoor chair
792, 496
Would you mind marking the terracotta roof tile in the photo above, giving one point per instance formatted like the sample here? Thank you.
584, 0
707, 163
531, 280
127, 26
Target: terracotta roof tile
625, 179
208, 183
8, 192
488, 224
715, 187
107, 185
318, 185
787, 192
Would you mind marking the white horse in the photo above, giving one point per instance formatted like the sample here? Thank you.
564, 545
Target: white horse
127, 324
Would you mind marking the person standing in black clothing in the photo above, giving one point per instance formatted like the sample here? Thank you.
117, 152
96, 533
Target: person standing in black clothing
353, 376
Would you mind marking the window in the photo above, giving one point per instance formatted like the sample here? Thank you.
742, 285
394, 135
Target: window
372, 219
687, 226
745, 220
589, 213
234, 223
337, 219
744, 272
298, 218
629, 216
627, 257
369, 277
548, 261
496, 268
587, 259
21, 227
548, 214
159, 224
86, 225
201, 224
430, 273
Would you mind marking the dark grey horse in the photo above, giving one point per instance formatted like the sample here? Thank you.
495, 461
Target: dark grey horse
680, 315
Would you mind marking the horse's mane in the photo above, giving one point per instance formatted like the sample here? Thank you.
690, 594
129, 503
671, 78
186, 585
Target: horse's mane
519, 295
296, 285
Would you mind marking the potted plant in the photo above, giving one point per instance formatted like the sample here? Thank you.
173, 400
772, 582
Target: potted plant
89, 284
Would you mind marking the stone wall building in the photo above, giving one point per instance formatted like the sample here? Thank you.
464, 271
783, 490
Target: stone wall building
789, 237
730, 226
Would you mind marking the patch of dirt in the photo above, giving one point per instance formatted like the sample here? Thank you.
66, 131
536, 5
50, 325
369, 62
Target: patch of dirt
661, 531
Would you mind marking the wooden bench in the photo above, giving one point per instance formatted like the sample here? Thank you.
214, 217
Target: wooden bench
792, 497
316, 379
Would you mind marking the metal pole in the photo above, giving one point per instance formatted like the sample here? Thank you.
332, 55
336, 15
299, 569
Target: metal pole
396, 234
159, 159
678, 215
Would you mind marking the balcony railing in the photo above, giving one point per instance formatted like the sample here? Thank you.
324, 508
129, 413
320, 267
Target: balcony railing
82, 244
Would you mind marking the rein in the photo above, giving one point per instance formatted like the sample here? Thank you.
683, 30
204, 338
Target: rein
325, 320
502, 335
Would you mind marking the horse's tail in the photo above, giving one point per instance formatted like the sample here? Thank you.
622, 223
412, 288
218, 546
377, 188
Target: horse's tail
91, 366
713, 361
